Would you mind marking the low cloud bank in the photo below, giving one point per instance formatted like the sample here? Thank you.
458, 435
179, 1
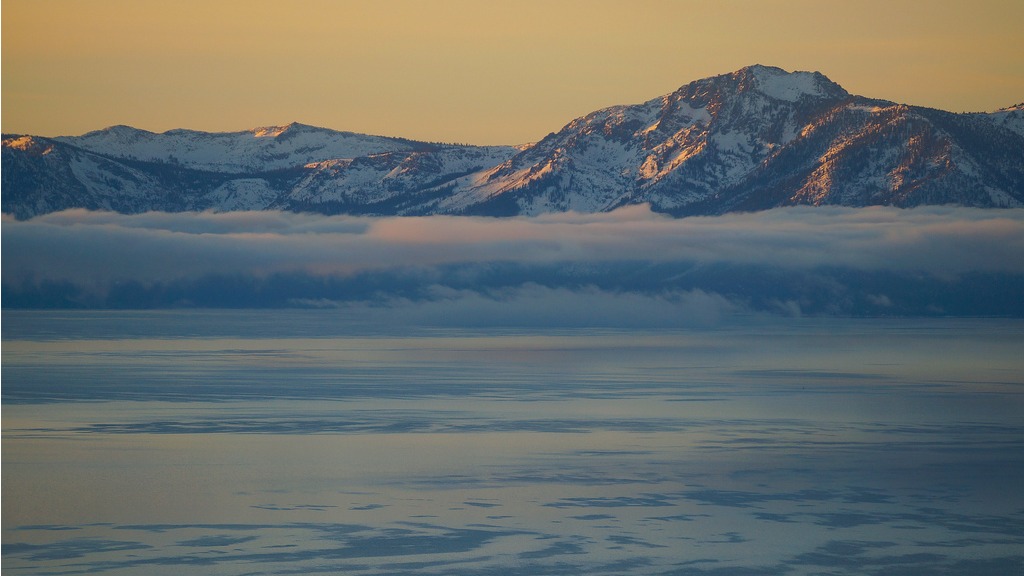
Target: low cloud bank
796, 260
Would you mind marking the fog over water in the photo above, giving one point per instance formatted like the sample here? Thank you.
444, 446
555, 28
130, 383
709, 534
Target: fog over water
632, 265
334, 441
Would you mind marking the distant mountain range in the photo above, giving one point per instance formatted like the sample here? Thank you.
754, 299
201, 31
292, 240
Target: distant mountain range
754, 139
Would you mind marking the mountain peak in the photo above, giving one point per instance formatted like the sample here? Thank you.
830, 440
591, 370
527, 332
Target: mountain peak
118, 131
777, 83
764, 69
272, 131
288, 130
28, 144
760, 81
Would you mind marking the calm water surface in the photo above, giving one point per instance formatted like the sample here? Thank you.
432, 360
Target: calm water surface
209, 442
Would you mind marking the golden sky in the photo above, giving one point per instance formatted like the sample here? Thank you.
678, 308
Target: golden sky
476, 71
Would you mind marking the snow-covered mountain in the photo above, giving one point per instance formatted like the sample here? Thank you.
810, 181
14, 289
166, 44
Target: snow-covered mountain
322, 171
257, 150
757, 138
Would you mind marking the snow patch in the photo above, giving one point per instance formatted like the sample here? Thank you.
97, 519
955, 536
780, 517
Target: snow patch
865, 108
1011, 118
243, 194
788, 86
269, 131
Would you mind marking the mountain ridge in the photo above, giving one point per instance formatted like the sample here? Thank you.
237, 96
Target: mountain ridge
756, 138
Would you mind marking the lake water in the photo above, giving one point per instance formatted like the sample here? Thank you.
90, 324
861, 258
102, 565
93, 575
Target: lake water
305, 442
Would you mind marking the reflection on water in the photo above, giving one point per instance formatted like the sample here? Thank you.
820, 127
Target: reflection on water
298, 442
